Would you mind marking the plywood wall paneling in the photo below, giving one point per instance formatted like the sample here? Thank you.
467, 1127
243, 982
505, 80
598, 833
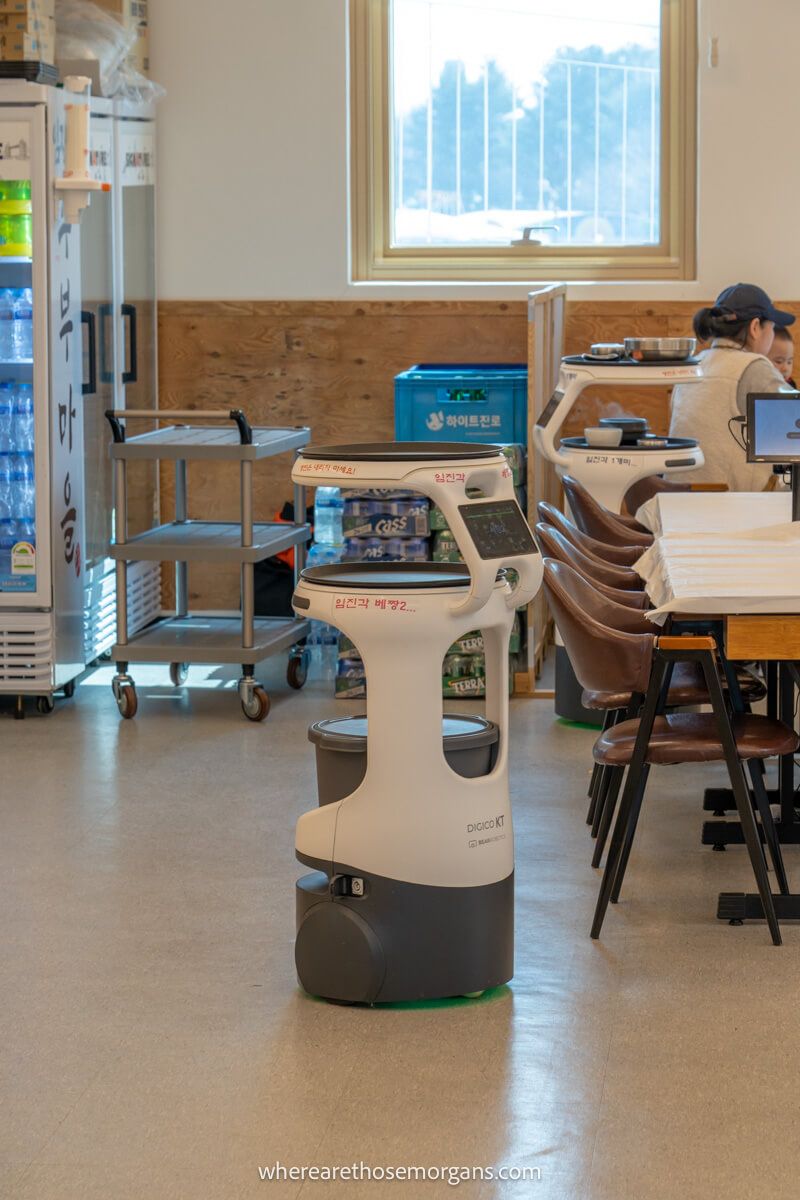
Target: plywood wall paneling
331, 365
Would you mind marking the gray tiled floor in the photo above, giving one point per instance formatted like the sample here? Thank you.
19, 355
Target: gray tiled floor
153, 1042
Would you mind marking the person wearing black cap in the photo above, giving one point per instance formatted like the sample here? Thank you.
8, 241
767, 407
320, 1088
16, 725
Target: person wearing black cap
740, 327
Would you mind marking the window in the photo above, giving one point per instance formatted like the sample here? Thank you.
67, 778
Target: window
523, 139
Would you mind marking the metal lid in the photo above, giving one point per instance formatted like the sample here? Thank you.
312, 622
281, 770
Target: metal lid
350, 733
388, 576
626, 424
400, 451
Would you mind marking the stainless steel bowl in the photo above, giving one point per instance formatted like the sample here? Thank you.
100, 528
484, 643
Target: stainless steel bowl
660, 349
607, 350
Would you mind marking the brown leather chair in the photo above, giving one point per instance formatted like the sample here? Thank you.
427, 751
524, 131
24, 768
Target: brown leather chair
644, 489
641, 663
553, 542
600, 522
621, 556
687, 689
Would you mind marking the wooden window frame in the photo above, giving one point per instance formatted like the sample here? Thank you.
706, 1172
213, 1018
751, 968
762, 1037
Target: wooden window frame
373, 258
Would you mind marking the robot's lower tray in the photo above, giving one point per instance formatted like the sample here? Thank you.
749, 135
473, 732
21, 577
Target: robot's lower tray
660, 446
386, 577
401, 451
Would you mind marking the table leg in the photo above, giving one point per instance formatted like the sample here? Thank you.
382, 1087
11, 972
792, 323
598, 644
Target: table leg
786, 686
720, 800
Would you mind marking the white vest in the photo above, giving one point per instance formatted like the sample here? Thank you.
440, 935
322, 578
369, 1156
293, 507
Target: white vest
704, 410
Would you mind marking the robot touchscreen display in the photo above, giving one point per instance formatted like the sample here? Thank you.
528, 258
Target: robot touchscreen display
498, 528
773, 427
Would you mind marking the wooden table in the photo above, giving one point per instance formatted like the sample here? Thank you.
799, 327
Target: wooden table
735, 559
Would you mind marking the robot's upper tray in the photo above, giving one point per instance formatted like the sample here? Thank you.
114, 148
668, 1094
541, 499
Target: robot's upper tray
583, 360
401, 452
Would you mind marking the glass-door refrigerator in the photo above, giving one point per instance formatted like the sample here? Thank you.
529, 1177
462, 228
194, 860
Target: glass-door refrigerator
115, 253
63, 361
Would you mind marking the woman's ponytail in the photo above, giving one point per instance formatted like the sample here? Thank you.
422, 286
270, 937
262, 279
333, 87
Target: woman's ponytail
719, 322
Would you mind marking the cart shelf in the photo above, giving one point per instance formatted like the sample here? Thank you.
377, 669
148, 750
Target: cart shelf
190, 442
210, 541
197, 639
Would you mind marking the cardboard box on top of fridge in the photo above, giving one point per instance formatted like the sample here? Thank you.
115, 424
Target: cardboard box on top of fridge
32, 8
28, 22
20, 47
16, 46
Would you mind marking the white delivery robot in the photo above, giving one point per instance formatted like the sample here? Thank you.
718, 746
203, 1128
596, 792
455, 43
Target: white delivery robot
411, 893
609, 473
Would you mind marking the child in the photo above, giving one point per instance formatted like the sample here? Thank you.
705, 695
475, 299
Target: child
740, 328
782, 354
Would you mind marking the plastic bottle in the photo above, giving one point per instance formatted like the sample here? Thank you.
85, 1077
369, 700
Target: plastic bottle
22, 335
328, 510
23, 494
7, 540
24, 530
323, 638
22, 410
7, 432
6, 512
6, 325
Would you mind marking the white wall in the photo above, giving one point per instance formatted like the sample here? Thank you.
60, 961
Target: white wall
253, 138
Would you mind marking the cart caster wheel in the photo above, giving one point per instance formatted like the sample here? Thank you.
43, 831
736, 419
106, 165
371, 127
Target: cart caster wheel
45, 704
719, 847
178, 673
69, 689
127, 702
297, 670
257, 707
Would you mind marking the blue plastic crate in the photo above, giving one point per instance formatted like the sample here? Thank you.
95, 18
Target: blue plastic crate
462, 402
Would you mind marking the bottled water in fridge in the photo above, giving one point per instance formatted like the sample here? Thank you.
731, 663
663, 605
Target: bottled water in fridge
22, 415
7, 539
7, 417
22, 335
23, 494
6, 325
6, 506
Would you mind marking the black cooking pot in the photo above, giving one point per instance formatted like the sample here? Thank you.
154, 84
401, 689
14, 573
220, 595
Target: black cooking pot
632, 428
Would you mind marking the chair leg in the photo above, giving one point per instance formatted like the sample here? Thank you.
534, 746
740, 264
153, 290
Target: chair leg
602, 794
634, 785
597, 775
768, 825
771, 673
592, 793
612, 795
631, 797
630, 833
741, 795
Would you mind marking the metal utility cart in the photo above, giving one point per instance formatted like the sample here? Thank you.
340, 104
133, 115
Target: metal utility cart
185, 638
